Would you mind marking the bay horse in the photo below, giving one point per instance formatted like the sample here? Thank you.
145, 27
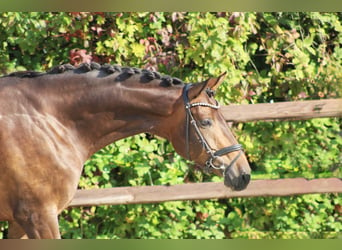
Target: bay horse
52, 122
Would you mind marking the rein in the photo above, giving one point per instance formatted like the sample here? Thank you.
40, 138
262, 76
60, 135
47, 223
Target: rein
213, 154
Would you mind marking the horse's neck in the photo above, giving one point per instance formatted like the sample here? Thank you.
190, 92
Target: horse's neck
103, 111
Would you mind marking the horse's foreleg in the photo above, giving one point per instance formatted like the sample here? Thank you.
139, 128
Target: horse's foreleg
39, 224
15, 231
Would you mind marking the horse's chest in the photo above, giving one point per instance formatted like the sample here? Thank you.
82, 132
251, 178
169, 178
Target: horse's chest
37, 154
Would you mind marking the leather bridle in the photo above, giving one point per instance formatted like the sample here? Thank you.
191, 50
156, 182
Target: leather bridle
213, 154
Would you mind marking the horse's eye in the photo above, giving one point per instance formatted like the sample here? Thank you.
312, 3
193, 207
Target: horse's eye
206, 123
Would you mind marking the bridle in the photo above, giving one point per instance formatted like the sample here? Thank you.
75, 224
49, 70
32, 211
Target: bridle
213, 154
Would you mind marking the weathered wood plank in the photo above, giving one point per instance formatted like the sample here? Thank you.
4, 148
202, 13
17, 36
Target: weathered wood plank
283, 110
202, 191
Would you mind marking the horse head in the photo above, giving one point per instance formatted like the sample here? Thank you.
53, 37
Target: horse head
203, 136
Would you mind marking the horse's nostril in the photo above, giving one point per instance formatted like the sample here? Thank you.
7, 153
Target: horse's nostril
241, 182
246, 178
237, 183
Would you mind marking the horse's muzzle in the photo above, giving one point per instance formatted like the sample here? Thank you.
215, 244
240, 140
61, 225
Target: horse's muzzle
236, 183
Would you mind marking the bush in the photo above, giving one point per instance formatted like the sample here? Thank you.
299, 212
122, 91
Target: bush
269, 57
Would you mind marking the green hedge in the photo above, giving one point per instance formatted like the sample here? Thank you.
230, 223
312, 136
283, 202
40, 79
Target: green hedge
269, 57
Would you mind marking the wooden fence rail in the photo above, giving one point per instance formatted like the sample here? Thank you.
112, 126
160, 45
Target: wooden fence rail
198, 191
203, 191
299, 110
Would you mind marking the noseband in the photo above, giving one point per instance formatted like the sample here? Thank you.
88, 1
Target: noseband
213, 154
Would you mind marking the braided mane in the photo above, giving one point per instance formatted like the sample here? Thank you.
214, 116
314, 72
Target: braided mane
108, 69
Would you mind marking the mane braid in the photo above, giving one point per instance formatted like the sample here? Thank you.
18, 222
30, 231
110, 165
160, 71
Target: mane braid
61, 69
109, 69
25, 74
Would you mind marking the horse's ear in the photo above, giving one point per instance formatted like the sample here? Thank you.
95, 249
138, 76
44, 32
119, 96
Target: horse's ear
214, 83
196, 89
211, 83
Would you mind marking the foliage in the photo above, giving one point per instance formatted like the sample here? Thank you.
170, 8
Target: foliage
269, 57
